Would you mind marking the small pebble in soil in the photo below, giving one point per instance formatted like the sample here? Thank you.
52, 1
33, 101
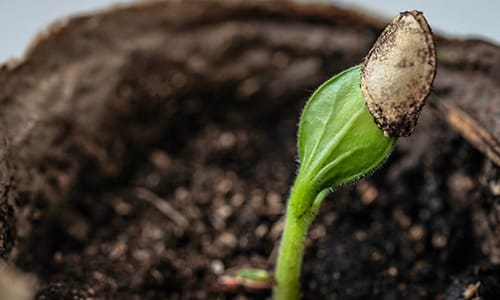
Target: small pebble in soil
226, 140
377, 257
276, 229
224, 212
227, 239
248, 87
217, 267
261, 231
416, 232
121, 207
257, 200
224, 186
402, 219
495, 187
368, 192
274, 203
392, 271
472, 291
360, 235
181, 194
317, 232
153, 180
161, 160
439, 240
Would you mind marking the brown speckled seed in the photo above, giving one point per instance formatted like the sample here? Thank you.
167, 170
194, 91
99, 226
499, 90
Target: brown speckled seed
398, 73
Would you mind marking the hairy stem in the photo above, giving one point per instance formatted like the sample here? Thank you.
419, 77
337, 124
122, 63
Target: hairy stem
297, 221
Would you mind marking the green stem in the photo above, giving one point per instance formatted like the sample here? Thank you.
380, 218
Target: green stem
297, 220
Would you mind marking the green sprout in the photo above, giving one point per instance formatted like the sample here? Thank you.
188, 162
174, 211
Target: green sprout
338, 143
349, 127
249, 279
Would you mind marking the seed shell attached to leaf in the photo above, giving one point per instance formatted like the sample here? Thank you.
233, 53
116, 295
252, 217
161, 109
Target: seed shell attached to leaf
398, 73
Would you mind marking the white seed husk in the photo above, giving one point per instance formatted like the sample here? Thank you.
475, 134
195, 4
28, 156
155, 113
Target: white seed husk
398, 73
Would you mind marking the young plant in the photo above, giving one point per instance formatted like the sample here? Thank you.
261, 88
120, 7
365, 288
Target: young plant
338, 140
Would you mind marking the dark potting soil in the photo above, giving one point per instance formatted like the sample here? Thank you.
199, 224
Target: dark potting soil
210, 195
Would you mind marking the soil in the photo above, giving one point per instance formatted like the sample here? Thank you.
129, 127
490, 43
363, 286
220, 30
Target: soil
396, 235
181, 174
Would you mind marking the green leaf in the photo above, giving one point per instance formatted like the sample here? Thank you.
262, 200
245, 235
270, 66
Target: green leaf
338, 141
254, 274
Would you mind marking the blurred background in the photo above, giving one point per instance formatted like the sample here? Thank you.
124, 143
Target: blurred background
20, 20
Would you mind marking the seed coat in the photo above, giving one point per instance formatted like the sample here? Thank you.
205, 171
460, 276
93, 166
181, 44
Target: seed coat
398, 73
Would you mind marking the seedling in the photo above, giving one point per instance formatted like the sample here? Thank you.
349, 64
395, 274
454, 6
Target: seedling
247, 279
338, 140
